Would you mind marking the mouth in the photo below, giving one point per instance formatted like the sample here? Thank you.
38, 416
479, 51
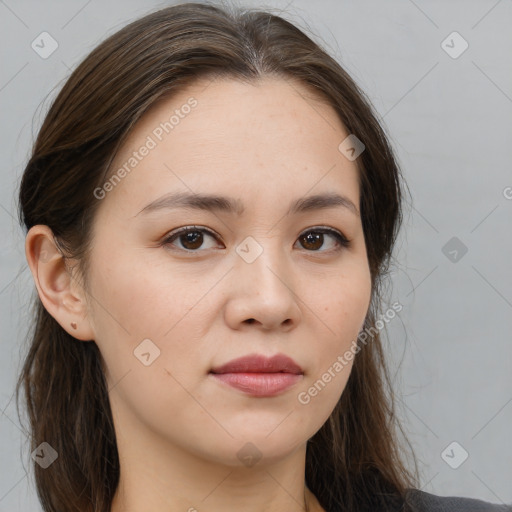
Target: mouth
258, 375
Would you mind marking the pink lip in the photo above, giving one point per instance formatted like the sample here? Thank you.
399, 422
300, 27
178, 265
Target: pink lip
259, 375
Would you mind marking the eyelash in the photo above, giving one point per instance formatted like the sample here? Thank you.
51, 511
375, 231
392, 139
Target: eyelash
343, 242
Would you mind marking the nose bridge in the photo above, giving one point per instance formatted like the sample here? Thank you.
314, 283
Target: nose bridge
264, 268
264, 283
264, 261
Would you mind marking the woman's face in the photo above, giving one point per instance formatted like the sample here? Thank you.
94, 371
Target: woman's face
268, 276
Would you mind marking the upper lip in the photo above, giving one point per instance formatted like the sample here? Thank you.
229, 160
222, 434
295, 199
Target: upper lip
256, 363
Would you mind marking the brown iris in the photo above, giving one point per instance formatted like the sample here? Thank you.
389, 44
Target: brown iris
312, 239
194, 238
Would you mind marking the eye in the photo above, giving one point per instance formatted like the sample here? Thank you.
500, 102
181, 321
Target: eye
313, 239
192, 238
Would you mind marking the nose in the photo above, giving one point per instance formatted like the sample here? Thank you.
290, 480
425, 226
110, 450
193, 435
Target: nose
262, 294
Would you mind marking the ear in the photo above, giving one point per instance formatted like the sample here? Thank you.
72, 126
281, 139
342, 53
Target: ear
61, 294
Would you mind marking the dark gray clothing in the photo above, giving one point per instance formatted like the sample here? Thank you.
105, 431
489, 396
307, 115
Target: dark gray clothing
421, 501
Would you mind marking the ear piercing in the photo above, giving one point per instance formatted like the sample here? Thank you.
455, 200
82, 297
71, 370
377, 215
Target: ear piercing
73, 324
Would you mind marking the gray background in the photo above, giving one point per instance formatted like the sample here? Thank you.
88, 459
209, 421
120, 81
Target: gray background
450, 121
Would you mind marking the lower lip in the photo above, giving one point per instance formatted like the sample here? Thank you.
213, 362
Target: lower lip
259, 384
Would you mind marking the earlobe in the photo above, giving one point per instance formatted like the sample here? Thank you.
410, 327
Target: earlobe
58, 290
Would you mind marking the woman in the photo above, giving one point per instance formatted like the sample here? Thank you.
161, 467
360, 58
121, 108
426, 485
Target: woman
211, 206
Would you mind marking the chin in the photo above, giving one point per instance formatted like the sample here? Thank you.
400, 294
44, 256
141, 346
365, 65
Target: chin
253, 447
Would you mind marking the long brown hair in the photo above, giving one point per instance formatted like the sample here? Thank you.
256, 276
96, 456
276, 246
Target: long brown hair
355, 461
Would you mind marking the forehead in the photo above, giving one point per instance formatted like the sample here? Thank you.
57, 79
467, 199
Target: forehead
270, 135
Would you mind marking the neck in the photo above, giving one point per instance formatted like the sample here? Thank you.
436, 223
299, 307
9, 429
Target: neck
164, 478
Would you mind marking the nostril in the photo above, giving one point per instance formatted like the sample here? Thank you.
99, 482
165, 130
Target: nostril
250, 320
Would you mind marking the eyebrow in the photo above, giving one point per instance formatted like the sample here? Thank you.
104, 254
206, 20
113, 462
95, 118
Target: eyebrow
210, 202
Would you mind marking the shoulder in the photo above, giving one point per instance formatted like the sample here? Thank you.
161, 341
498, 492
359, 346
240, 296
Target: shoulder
421, 501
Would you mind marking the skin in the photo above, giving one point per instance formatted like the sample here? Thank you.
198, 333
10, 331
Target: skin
178, 429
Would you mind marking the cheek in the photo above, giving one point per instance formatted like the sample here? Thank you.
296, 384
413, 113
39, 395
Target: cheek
134, 303
342, 306
139, 300
345, 301
144, 325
